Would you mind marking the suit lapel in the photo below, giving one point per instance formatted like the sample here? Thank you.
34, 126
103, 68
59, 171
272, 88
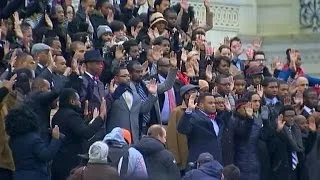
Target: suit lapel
206, 120
122, 101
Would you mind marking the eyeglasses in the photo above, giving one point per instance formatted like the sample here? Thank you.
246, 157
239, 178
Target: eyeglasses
124, 76
164, 65
258, 60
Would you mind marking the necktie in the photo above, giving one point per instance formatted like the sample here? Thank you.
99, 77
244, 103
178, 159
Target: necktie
172, 101
212, 116
143, 95
294, 156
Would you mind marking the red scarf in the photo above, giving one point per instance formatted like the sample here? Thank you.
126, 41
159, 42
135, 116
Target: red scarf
184, 79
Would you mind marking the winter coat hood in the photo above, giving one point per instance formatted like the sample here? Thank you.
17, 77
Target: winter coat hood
149, 145
213, 169
115, 135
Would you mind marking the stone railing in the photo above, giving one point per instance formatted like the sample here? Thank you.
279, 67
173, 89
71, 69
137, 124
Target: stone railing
225, 17
310, 15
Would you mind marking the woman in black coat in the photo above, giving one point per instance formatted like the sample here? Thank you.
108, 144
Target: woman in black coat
30, 153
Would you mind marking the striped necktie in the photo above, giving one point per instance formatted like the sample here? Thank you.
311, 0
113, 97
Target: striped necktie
294, 156
143, 95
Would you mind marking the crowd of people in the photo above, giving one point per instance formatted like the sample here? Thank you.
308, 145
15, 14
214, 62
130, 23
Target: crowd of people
134, 90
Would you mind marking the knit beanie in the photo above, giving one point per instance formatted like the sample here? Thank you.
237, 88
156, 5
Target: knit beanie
98, 152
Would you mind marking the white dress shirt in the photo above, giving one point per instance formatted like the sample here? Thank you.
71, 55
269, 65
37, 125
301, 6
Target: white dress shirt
128, 97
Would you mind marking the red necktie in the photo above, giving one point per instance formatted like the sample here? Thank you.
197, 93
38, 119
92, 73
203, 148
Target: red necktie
172, 102
212, 116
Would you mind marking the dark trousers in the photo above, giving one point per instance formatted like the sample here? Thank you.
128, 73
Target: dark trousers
6, 174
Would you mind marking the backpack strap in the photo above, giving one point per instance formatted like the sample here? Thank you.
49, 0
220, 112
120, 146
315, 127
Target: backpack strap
125, 163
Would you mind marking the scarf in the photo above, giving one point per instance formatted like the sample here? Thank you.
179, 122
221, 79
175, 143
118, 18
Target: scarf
120, 90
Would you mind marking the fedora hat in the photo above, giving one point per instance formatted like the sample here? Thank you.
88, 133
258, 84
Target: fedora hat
92, 56
155, 18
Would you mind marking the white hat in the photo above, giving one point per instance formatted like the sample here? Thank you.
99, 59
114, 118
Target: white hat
98, 152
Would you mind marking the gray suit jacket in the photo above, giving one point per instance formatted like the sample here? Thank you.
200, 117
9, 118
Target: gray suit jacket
120, 115
163, 87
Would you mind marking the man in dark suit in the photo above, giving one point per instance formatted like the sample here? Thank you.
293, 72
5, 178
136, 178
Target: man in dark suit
92, 88
169, 99
204, 131
287, 148
310, 102
56, 74
41, 55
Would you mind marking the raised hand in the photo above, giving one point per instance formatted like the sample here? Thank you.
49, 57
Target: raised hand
51, 63
280, 123
9, 84
83, 68
287, 100
134, 32
184, 5
298, 98
260, 90
151, 34
95, 113
173, 59
103, 109
312, 122
75, 66
249, 110
156, 53
209, 73
48, 21
293, 58
56, 132
277, 64
226, 41
119, 54
189, 69
86, 108
13, 58
191, 103
184, 55
17, 27
152, 86
113, 86
145, 68
214, 91
257, 44
156, 32
67, 72
206, 3
227, 104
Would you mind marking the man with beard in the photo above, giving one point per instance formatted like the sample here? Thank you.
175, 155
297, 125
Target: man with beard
169, 77
127, 104
78, 132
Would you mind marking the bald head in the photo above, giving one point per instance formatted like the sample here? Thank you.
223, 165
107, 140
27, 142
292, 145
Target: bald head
163, 66
158, 132
299, 119
302, 83
40, 84
204, 85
